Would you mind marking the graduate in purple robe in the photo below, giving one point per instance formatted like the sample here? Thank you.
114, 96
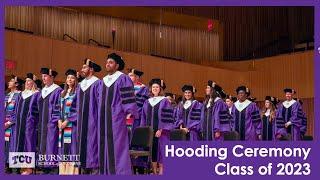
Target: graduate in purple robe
246, 116
157, 112
41, 128
87, 121
68, 123
141, 92
10, 104
189, 113
215, 118
289, 118
268, 115
230, 100
116, 101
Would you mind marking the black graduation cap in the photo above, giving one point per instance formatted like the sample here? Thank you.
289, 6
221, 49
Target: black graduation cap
31, 76
289, 90
49, 72
71, 72
189, 88
92, 65
17, 80
170, 95
222, 94
217, 88
38, 83
243, 88
272, 99
159, 82
136, 72
232, 98
118, 59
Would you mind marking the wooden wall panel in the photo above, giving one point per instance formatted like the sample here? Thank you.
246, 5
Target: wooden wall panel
268, 77
176, 75
8, 40
67, 55
31, 53
152, 67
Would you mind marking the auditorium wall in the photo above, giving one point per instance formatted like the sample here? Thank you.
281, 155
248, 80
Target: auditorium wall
266, 76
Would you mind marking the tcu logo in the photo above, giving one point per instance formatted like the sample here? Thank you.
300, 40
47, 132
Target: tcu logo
21, 159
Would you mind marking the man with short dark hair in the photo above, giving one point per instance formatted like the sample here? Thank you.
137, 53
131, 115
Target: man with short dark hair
116, 101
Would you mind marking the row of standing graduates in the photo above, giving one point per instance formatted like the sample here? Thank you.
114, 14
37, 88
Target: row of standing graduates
87, 119
221, 114
107, 152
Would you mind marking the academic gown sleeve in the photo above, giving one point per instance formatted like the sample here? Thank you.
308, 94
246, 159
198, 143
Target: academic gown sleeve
144, 114
296, 115
221, 117
141, 97
166, 115
279, 123
195, 116
129, 104
179, 115
256, 119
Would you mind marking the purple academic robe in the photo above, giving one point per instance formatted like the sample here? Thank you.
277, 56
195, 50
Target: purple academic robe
42, 130
117, 100
293, 114
142, 95
87, 123
215, 118
10, 116
267, 128
190, 118
23, 108
247, 122
159, 116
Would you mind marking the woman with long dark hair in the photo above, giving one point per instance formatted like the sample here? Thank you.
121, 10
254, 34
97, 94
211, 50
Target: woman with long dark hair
268, 115
189, 113
215, 116
67, 123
